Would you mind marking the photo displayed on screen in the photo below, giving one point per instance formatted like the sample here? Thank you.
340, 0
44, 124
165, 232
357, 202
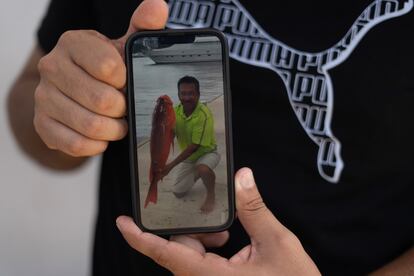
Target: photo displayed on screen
180, 131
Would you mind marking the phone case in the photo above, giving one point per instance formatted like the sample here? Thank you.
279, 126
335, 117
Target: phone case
173, 51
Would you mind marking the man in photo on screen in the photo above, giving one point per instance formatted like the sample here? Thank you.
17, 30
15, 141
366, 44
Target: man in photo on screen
195, 135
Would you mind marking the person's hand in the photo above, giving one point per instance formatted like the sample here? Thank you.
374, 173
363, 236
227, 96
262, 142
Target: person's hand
202, 241
79, 105
165, 171
273, 250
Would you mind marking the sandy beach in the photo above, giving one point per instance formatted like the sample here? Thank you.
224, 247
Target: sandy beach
172, 212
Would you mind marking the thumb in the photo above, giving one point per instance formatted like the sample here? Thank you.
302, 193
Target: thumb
259, 223
150, 15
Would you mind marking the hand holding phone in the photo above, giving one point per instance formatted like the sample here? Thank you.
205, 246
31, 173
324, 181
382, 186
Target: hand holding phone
273, 249
78, 105
180, 131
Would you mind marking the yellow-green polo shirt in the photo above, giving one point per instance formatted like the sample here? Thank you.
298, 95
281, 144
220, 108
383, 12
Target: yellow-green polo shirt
198, 128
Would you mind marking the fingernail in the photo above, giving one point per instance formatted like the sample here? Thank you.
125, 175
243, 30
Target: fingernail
118, 224
247, 180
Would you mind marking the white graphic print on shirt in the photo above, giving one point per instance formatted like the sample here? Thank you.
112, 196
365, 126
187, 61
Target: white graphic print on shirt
307, 81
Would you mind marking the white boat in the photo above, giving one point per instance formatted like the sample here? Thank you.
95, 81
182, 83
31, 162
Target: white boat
201, 50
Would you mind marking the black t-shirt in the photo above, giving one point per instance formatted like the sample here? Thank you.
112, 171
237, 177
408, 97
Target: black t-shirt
322, 94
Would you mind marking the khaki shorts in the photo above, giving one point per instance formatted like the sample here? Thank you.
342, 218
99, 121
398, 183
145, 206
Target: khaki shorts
186, 171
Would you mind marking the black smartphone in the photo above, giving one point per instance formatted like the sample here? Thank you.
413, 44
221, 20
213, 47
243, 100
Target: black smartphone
180, 131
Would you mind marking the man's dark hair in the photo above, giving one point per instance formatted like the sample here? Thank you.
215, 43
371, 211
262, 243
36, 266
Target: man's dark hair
189, 79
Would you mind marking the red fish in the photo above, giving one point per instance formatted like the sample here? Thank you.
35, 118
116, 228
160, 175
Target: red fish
162, 137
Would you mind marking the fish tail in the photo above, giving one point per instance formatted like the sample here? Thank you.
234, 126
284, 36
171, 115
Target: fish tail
151, 175
152, 194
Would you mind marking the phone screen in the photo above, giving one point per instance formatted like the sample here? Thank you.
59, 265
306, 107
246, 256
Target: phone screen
181, 131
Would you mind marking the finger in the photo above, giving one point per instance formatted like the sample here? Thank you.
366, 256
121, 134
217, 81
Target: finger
212, 239
242, 256
200, 241
57, 136
96, 55
174, 256
78, 85
258, 221
190, 242
150, 15
74, 116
